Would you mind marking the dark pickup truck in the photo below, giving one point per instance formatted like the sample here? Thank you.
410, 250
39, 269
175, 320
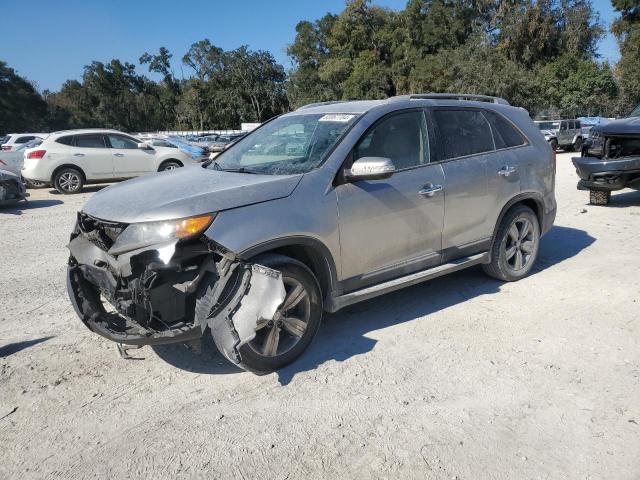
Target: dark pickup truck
610, 159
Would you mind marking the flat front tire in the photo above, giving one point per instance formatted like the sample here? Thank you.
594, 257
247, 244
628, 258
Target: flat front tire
68, 181
515, 246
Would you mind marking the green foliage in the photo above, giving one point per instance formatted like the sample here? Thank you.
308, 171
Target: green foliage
627, 30
21, 107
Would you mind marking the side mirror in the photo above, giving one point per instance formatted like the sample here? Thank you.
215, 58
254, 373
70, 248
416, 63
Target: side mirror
370, 168
144, 146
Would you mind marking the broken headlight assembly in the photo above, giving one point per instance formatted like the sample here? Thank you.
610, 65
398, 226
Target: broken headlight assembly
139, 235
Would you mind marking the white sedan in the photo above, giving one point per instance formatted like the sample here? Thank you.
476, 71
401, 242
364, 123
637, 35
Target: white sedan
70, 159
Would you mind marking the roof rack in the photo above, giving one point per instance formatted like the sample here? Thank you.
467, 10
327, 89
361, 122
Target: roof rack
459, 96
319, 104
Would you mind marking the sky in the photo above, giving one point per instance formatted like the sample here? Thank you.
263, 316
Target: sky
49, 42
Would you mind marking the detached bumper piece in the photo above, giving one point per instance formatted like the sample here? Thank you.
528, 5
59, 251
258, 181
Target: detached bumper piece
148, 296
12, 190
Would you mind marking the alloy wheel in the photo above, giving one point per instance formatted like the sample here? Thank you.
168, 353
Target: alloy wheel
520, 244
282, 333
69, 182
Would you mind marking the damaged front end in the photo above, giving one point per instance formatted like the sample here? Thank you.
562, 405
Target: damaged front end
12, 189
168, 291
613, 166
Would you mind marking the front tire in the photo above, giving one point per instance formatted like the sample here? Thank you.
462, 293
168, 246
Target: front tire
515, 246
169, 165
599, 197
577, 147
68, 181
282, 340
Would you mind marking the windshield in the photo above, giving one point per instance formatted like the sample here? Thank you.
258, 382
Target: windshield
548, 125
287, 145
636, 112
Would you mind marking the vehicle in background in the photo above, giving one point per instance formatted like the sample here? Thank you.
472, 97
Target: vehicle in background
610, 159
315, 210
70, 159
565, 134
12, 190
13, 161
14, 140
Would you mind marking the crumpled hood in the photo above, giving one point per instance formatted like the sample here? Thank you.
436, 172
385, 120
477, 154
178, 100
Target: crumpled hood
185, 192
622, 126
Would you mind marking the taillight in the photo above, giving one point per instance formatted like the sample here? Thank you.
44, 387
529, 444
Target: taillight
36, 154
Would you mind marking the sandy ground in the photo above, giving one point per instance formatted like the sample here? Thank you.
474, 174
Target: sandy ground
463, 377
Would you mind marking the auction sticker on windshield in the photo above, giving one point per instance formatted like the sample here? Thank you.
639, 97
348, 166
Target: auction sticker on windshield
336, 117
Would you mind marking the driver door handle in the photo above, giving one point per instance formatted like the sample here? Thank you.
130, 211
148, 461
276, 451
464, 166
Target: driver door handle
430, 190
119, 154
78, 154
507, 171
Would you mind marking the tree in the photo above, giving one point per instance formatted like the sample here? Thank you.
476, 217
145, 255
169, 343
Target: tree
627, 30
21, 106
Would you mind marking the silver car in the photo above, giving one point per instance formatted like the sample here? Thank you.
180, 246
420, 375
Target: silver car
315, 210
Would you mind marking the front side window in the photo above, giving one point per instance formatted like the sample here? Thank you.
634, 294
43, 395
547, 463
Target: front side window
463, 132
563, 126
505, 134
120, 141
402, 138
90, 141
288, 145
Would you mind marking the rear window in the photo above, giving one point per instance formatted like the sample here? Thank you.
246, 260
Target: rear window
26, 139
66, 140
504, 133
90, 141
463, 132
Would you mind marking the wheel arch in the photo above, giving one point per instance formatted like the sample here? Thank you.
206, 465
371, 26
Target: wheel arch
532, 200
310, 251
68, 165
167, 160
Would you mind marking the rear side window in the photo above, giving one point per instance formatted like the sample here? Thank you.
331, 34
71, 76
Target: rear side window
504, 133
66, 140
463, 132
120, 141
24, 139
90, 141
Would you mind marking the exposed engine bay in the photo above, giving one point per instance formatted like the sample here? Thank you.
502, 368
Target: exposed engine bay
150, 295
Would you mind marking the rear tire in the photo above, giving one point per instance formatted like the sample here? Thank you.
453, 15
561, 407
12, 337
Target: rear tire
577, 147
599, 197
68, 181
554, 144
515, 246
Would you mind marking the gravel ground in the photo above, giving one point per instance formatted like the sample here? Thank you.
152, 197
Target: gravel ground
463, 377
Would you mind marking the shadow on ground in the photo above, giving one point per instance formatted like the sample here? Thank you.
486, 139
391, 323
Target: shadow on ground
625, 199
89, 189
344, 334
12, 348
18, 208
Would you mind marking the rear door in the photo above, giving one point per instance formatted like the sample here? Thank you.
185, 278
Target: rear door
129, 160
465, 149
89, 151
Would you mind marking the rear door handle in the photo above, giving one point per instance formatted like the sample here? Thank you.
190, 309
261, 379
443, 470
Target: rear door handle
507, 171
119, 154
78, 154
430, 190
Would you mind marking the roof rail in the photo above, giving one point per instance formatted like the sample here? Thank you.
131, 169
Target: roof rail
319, 104
459, 96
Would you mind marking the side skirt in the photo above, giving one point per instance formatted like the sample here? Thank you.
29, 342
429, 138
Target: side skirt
336, 303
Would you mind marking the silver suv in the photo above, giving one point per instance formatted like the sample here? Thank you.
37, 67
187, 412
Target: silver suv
565, 134
317, 209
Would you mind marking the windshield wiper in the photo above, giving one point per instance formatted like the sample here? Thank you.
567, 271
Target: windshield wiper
238, 170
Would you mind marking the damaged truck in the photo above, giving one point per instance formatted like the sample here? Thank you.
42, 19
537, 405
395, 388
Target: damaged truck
317, 209
610, 159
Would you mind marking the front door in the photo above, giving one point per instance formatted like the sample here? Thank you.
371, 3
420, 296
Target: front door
129, 160
392, 227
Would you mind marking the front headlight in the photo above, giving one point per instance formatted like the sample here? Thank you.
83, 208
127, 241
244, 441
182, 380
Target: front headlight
138, 235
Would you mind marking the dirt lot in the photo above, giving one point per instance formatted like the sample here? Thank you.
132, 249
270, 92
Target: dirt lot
462, 377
